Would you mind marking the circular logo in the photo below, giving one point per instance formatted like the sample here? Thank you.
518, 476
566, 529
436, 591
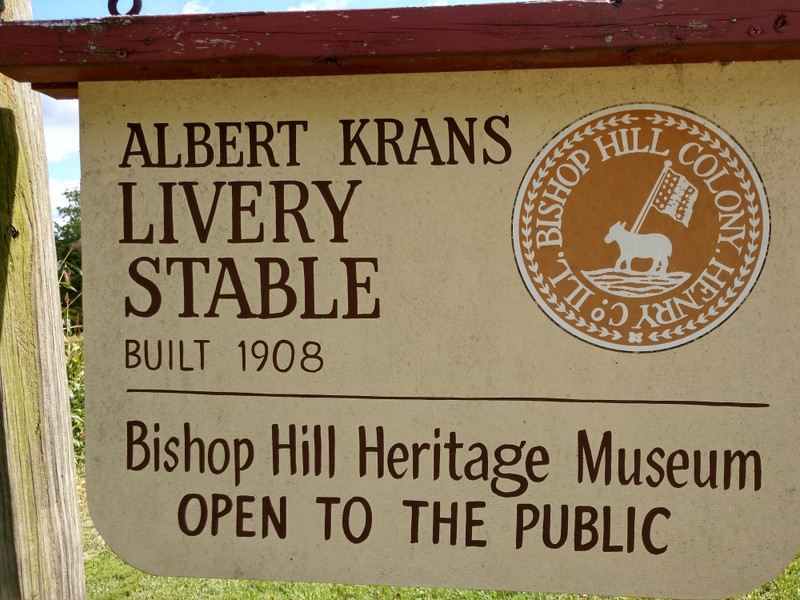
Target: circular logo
641, 227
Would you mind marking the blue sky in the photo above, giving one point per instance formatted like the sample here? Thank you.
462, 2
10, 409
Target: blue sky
61, 116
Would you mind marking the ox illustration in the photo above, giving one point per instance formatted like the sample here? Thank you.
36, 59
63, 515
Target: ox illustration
654, 246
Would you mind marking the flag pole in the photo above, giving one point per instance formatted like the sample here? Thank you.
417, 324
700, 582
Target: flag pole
651, 198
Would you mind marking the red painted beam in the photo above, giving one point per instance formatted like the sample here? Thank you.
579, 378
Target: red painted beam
55, 55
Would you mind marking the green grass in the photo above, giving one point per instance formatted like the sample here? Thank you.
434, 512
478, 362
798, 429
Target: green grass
108, 578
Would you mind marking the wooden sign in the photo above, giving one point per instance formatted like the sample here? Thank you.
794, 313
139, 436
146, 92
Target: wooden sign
433, 323
514, 330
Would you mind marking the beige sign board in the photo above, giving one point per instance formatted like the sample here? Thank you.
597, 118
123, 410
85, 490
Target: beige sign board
527, 330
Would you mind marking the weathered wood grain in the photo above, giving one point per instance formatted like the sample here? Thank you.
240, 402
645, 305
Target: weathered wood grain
55, 55
40, 542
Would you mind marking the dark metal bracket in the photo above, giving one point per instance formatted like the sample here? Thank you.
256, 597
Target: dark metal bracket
113, 8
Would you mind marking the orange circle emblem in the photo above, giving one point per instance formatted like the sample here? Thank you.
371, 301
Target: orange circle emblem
641, 227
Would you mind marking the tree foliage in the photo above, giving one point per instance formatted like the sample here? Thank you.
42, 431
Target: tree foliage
68, 252
70, 279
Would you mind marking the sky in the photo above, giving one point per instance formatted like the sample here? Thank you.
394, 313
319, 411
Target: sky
61, 116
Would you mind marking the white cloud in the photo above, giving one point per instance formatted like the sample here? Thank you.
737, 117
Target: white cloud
322, 5
438, 2
57, 189
196, 7
60, 128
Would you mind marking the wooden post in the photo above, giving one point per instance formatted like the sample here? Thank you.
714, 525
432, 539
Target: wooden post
40, 538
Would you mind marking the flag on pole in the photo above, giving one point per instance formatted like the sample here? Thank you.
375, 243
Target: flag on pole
675, 197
